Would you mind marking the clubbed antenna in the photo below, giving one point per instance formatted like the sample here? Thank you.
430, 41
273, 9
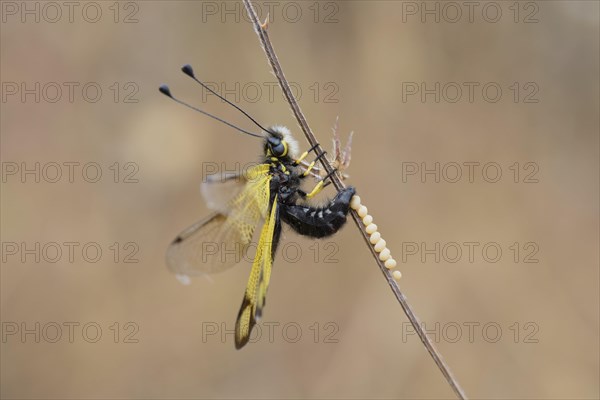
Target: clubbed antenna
164, 89
189, 71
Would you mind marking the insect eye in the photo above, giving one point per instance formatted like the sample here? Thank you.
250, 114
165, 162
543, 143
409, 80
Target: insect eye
278, 150
277, 147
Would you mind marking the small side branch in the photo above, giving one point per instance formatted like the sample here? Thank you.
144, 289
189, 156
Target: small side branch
261, 31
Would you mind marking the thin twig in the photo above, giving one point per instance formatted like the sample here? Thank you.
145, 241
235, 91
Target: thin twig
261, 31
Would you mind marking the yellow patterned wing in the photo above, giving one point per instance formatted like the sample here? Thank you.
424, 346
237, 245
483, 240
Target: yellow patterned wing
221, 240
252, 205
258, 282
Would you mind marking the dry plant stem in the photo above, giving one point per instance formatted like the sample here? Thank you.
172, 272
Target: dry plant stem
261, 31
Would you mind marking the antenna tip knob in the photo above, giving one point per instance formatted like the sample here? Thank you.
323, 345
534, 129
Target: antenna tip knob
188, 70
164, 89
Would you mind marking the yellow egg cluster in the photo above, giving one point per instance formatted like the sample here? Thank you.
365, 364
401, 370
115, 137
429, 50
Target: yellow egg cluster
379, 244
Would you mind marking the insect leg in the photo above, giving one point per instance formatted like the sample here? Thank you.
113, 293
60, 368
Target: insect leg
305, 154
312, 164
319, 186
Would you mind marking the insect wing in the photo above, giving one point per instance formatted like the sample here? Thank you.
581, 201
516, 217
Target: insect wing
221, 240
258, 282
218, 190
251, 205
208, 246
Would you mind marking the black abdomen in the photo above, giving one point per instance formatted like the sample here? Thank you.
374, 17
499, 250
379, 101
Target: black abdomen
319, 222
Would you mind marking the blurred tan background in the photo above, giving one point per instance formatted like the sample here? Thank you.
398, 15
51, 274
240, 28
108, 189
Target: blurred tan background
508, 329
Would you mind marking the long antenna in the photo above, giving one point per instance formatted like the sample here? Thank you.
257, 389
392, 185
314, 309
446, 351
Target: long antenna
187, 69
164, 89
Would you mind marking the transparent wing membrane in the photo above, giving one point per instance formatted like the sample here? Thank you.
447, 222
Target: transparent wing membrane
208, 246
218, 190
222, 240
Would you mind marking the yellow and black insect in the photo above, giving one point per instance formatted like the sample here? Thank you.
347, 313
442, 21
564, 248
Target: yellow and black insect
269, 192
